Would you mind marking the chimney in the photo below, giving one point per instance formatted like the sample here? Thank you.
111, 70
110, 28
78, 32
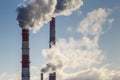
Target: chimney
52, 76
25, 55
41, 76
52, 32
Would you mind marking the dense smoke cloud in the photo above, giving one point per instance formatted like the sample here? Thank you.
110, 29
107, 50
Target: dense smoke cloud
54, 61
81, 54
33, 14
71, 54
66, 7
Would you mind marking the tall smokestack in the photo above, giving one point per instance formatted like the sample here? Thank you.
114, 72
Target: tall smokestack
52, 76
52, 32
25, 55
41, 76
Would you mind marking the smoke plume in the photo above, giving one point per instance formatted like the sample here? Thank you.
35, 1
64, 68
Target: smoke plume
80, 53
66, 7
54, 61
33, 14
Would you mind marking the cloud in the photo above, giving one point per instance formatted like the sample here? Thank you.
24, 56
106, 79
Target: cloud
9, 76
93, 22
88, 74
96, 74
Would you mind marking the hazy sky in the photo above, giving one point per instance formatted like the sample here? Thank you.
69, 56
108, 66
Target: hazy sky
66, 28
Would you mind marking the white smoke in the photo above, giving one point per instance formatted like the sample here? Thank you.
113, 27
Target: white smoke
72, 53
33, 14
83, 52
66, 7
80, 54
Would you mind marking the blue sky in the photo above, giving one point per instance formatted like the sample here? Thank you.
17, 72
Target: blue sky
10, 37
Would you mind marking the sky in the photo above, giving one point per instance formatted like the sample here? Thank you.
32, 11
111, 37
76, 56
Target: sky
87, 42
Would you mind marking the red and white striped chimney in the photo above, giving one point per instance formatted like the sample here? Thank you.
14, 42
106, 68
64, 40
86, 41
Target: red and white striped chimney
52, 76
52, 32
25, 55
